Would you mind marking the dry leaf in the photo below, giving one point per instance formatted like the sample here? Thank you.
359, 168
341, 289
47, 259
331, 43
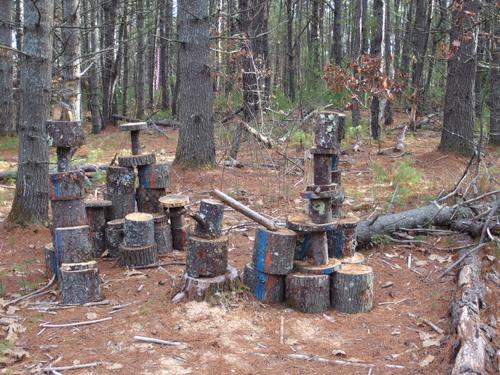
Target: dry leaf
426, 361
91, 316
438, 258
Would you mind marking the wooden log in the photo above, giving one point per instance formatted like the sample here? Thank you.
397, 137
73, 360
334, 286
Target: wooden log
136, 160
318, 248
337, 203
167, 122
80, 283
206, 257
139, 230
273, 251
302, 223
307, 292
335, 162
342, 242
96, 220
337, 177
67, 134
51, 263
114, 236
265, 287
301, 245
180, 236
155, 176
120, 180
148, 199
326, 131
134, 128
266, 141
322, 168
144, 256
242, 209
307, 266
320, 210
163, 234
67, 186
209, 219
352, 289
68, 213
122, 204
72, 244
199, 289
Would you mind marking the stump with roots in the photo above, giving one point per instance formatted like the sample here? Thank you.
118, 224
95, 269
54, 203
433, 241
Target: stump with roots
206, 257
199, 289
96, 220
72, 244
80, 283
352, 289
265, 287
308, 293
114, 237
163, 234
273, 251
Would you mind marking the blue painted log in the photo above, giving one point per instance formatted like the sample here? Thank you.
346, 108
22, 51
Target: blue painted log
273, 251
265, 287
73, 244
67, 186
154, 176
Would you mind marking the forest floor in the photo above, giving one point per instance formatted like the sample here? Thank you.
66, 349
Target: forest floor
236, 334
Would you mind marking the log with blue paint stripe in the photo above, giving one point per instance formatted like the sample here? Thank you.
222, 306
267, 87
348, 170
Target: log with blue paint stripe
67, 186
266, 288
273, 251
154, 176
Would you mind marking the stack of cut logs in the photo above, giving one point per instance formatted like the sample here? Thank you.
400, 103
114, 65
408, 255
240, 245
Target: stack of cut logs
154, 182
69, 259
207, 270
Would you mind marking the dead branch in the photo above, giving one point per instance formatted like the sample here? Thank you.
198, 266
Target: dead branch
76, 324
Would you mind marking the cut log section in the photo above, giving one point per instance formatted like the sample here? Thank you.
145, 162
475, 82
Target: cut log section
326, 131
68, 213
174, 201
337, 177
209, 219
337, 202
51, 263
180, 236
307, 266
148, 200
352, 289
206, 257
342, 242
122, 204
320, 210
114, 237
308, 293
136, 160
163, 234
301, 245
139, 230
80, 283
96, 220
301, 223
322, 169
199, 289
120, 180
72, 244
67, 134
134, 128
356, 258
67, 186
318, 248
273, 251
144, 256
64, 155
155, 176
175, 204
266, 288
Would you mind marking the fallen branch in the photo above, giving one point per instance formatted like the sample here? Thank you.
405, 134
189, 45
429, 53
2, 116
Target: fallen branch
268, 142
158, 341
71, 367
32, 294
76, 324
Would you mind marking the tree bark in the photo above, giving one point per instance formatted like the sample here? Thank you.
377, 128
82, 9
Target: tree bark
165, 33
196, 134
71, 91
494, 101
407, 38
32, 183
458, 122
337, 32
364, 26
110, 10
376, 49
290, 63
139, 84
388, 60
6, 68
419, 43
125, 57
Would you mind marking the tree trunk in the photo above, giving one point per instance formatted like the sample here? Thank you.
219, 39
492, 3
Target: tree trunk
376, 49
419, 43
388, 60
290, 63
356, 29
71, 91
6, 68
407, 38
125, 57
152, 25
458, 121
364, 26
337, 32
494, 101
165, 33
139, 84
196, 135
32, 182
314, 55
110, 9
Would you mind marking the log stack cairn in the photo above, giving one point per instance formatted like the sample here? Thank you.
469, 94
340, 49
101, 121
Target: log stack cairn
69, 259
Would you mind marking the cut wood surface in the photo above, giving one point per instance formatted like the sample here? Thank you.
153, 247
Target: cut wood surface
139, 230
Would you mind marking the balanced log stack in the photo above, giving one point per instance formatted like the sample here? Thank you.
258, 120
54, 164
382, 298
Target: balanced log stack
207, 270
174, 206
70, 257
138, 248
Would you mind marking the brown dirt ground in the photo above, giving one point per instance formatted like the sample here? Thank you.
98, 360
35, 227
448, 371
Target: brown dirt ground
238, 335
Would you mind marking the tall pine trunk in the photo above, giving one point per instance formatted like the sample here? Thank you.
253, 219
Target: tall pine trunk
494, 100
458, 122
195, 147
139, 84
6, 69
337, 32
31, 199
376, 49
165, 33
71, 92
290, 63
420, 37
109, 10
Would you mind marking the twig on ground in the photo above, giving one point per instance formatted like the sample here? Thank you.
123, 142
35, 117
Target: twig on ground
76, 324
32, 294
434, 326
158, 341
71, 367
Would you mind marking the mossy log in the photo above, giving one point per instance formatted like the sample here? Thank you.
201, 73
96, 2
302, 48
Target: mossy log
352, 289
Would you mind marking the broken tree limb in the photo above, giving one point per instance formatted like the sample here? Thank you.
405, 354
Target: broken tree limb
268, 142
32, 294
76, 324
244, 210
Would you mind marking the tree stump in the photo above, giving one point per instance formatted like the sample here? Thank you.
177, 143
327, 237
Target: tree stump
209, 219
134, 128
163, 234
273, 251
139, 230
136, 160
67, 186
148, 200
51, 263
175, 204
72, 244
122, 204
68, 213
143, 256
308, 267
307, 292
120, 180
266, 288
199, 289
80, 283
114, 237
65, 134
352, 289
96, 220
155, 176
326, 131
206, 257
